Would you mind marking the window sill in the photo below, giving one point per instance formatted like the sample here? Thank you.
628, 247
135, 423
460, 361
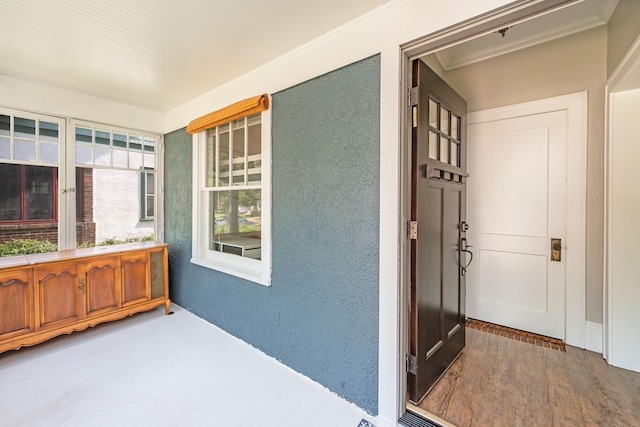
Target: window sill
250, 274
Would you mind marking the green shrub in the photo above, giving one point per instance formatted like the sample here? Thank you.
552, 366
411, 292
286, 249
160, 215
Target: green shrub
26, 246
114, 241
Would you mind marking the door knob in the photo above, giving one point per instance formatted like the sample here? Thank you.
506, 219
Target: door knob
556, 249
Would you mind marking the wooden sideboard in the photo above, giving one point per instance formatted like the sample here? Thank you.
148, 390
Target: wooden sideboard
50, 294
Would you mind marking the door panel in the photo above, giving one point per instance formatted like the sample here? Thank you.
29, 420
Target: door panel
438, 207
102, 285
59, 295
518, 202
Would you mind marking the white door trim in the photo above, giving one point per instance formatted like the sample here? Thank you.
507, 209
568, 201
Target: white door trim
624, 77
576, 107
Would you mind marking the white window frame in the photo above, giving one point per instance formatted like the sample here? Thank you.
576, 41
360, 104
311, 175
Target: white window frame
144, 193
258, 271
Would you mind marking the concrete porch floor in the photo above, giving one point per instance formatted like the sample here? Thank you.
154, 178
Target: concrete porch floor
157, 370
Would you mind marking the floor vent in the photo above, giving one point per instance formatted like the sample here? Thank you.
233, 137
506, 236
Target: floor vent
409, 419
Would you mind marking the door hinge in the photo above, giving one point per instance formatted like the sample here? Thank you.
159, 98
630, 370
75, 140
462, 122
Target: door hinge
412, 364
413, 96
412, 230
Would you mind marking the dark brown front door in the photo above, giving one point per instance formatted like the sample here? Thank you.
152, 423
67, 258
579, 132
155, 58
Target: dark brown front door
438, 208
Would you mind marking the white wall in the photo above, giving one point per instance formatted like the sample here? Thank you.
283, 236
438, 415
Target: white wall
624, 231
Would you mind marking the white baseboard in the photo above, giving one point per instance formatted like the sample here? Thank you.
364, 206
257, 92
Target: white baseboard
594, 337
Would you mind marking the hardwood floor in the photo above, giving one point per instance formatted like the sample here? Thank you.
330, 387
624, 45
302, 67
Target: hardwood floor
499, 381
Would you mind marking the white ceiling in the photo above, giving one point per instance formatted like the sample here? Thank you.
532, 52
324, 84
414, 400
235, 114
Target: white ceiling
576, 17
157, 54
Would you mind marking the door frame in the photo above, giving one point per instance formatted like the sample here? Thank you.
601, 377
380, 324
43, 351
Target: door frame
430, 43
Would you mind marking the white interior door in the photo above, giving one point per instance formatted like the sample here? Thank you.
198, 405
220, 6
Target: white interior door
516, 205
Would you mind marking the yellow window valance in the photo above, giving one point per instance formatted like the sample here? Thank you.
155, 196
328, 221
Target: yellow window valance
231, 112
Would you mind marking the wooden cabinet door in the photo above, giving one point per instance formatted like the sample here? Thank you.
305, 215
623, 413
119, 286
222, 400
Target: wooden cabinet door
135, 277
59, 295
16, 302
101, 280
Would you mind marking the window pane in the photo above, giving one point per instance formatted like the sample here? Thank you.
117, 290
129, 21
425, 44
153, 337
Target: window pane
149, 160
149, 144
49, 132
150, 207
236, 222
119, 158
115, 208
102, 156
223, 160
119, 140
10, 194
5, 125
254, 164
84, 134
238, 153
84, 155
24, 150
210, 179
5, 147
48, 152
103, 137
39, 192
135, 160
135, 142
24, 128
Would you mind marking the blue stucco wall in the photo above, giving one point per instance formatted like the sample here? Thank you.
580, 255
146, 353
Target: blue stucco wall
320, 315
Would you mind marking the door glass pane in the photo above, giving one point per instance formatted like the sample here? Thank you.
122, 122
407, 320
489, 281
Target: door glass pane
433, 113
454, 154
444, 120
444, 150
236, 222
433, 145
455, 124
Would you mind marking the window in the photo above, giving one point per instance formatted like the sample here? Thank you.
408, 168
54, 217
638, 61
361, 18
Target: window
147, 195
232, 180
27, 193
121, 167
